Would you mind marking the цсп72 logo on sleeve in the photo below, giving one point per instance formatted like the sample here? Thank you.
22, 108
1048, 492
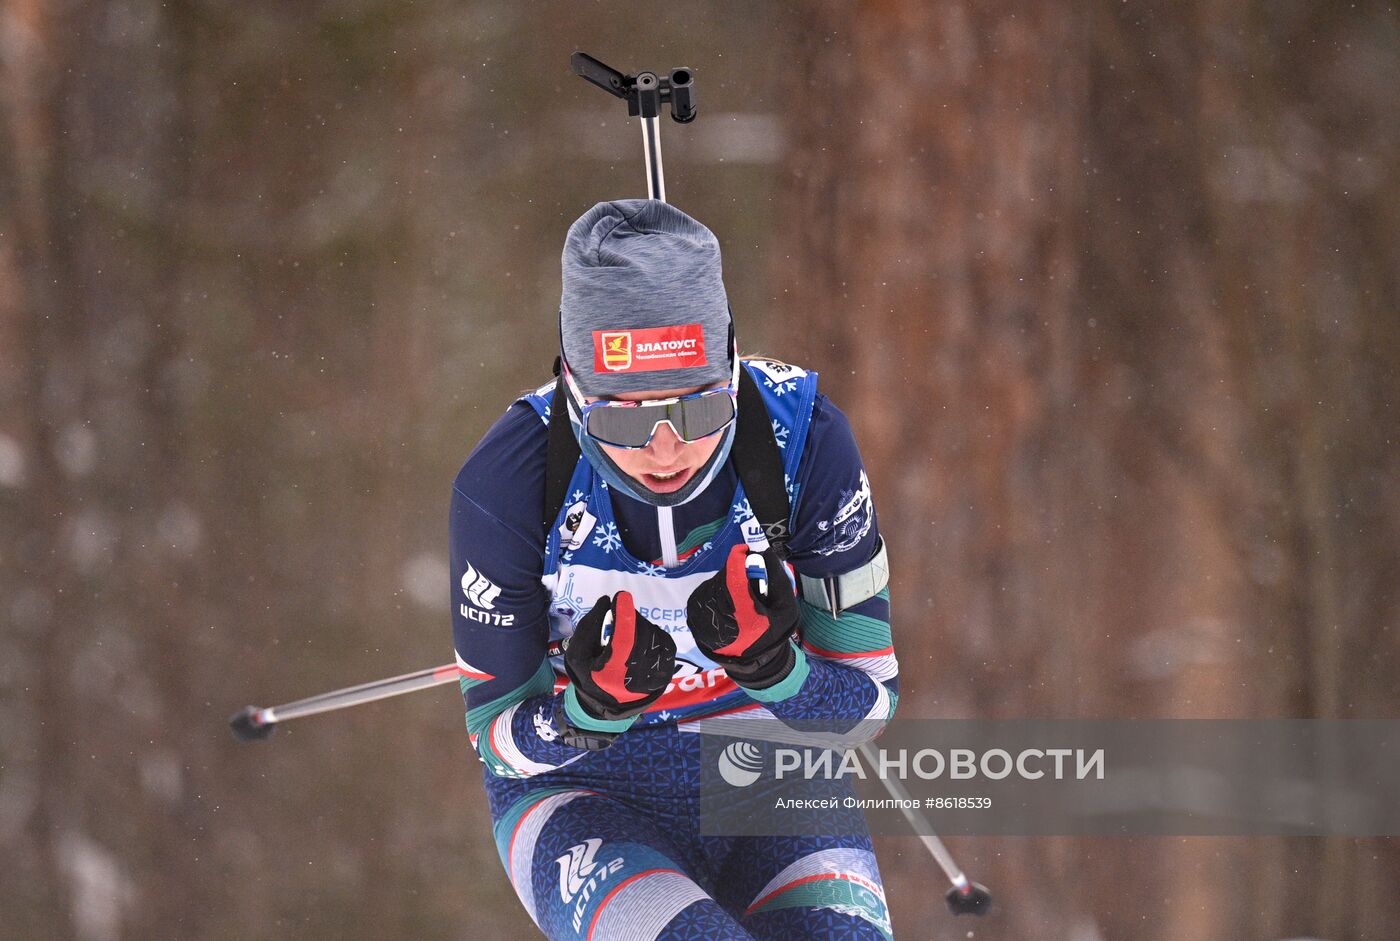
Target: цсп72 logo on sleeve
481, 595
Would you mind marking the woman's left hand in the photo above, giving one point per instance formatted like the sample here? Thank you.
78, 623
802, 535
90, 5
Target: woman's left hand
745, 630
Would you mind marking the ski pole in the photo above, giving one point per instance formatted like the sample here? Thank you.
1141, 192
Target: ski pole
965, 897
253, 724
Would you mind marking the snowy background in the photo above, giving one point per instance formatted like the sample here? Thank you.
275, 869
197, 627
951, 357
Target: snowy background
1110, 289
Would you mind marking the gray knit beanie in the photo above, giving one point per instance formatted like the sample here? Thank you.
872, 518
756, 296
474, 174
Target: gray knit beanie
643, 305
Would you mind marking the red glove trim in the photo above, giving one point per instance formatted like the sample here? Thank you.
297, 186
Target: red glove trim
751, 623
613, 677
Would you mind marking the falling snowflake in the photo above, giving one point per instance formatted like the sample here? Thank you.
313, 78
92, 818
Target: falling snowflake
741, 510
788, 486
783, 387
607, 539
664, 715
647, 568
780, 433
576, 497
568, 556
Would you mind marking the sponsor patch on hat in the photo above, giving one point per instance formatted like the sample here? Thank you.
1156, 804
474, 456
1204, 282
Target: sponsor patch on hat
649, 348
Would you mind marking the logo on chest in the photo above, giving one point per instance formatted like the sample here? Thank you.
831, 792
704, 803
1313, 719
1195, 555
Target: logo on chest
578, 523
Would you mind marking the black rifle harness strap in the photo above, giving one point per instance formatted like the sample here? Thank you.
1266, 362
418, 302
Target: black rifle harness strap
759, 464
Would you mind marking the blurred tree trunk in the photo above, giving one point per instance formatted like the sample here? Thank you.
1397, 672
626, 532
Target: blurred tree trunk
1110, 294
108, 533
104, 532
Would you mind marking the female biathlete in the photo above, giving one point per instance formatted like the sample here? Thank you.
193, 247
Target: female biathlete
613, 591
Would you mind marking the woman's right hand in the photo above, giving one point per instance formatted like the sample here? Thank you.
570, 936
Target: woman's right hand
619, 662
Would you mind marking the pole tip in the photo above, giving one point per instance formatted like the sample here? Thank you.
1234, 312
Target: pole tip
246, 726
972, 900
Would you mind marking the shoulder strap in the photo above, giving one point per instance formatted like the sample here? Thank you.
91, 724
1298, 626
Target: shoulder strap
561, 454
759, 464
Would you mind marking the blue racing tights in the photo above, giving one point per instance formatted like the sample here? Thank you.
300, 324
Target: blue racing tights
608, 849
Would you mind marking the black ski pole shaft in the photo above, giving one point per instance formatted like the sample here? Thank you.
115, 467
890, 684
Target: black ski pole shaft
254, 724
965, 897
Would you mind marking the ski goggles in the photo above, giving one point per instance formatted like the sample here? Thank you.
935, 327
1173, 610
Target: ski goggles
631, 425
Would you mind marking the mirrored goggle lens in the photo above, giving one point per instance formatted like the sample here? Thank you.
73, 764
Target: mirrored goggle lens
632, 427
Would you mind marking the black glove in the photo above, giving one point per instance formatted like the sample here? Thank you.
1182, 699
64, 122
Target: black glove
618, 678
747, 632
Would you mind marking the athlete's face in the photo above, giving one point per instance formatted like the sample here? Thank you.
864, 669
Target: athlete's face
667, 463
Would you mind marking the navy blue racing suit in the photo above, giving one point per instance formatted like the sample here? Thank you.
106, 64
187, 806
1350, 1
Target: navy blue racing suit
607, 844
